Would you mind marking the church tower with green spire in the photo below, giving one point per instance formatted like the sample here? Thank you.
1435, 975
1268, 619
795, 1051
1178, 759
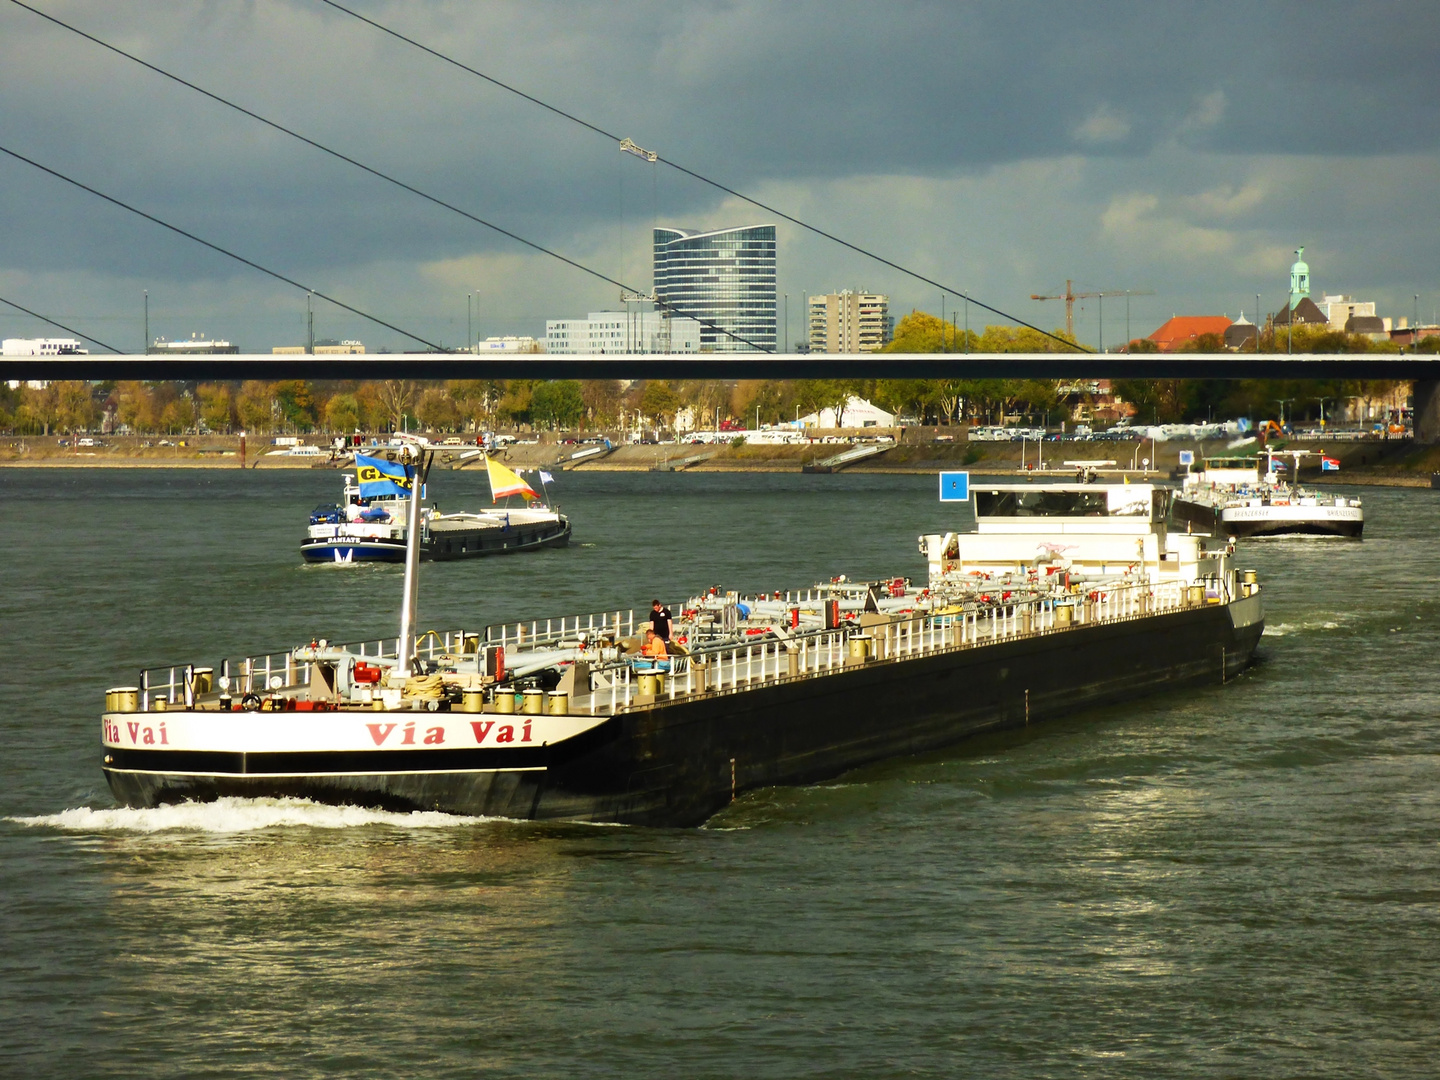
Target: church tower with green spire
1299, 278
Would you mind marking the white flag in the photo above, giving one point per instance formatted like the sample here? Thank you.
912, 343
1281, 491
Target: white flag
546, 478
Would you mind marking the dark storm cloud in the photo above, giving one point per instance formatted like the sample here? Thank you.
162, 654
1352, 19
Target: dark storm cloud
755, 94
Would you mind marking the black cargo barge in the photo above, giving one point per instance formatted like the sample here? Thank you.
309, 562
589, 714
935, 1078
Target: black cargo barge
372, 522
677, 762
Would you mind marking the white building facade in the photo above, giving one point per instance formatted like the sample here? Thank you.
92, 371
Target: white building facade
622, 332
42, 347
510, 343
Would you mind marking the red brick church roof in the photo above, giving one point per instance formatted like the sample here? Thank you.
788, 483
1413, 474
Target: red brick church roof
1183, 328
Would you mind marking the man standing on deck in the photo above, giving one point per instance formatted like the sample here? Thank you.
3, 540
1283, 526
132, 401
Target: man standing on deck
660, 620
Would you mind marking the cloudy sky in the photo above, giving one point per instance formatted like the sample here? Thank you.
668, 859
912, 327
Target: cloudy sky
998, 147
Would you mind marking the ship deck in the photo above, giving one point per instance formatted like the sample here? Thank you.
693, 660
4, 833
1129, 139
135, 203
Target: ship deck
601, 672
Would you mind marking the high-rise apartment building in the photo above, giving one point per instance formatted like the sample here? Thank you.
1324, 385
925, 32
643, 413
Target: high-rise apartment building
724, 278
849, 322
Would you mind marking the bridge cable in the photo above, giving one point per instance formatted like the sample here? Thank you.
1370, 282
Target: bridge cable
817, 230
62, 326
376, 173
216, 247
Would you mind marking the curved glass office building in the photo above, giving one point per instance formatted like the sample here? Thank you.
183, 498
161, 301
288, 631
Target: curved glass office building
724, 277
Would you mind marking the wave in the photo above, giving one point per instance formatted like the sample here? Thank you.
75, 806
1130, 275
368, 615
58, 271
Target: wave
233, 815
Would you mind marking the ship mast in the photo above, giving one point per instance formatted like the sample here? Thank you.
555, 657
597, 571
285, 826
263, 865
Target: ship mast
412, 453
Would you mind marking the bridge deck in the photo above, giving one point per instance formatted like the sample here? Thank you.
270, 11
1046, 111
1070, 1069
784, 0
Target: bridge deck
726, 366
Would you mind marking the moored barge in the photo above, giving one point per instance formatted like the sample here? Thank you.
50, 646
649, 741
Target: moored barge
1066, 596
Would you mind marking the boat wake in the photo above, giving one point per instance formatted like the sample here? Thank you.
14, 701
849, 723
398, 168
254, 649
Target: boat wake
231, 815
1285, 629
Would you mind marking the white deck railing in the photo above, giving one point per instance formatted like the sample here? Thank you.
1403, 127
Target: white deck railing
803, 654
745, 667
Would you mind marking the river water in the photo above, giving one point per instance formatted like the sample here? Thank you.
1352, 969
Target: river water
1232, 881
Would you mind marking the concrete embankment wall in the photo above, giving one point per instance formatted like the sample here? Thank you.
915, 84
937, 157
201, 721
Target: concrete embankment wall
1398, 461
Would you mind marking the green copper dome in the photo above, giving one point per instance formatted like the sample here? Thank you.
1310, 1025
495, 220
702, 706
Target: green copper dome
1299, 278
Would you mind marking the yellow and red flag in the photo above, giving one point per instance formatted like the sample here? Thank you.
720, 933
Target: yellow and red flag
505, 482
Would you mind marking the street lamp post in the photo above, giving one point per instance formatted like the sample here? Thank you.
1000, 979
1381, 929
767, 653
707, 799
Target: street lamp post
469, 324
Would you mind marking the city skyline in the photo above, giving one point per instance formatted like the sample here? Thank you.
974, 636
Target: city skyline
958, 154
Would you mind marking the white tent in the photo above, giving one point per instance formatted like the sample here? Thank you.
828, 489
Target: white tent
858, 413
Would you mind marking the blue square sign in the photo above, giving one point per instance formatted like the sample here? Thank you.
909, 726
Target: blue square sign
954, 487
1187, 457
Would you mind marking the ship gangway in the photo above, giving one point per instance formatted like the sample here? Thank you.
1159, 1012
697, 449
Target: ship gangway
845, 459
586, 456
681, 464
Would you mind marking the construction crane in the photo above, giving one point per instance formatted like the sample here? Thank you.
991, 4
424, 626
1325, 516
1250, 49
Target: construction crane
1070, 296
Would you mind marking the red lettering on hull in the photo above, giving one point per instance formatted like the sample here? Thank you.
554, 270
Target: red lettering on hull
380, 732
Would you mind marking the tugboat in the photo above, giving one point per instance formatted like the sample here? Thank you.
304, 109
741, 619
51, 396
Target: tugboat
1067, 596
370, 523
1232, 497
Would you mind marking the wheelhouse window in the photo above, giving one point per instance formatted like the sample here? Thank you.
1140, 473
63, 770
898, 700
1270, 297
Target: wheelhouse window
1040, 503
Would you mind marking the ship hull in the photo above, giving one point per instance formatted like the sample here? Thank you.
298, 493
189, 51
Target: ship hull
675, 763
441, 544
1347, 530
444, 544
341, 550
1261, 521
